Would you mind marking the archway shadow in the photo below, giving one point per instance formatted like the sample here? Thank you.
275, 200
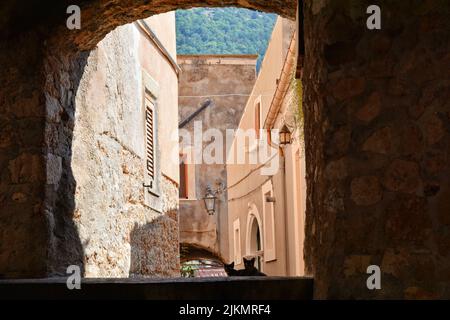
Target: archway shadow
66, 247
155, 248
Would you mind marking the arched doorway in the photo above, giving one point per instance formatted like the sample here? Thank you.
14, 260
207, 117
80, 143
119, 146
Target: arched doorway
256, 243
253, 238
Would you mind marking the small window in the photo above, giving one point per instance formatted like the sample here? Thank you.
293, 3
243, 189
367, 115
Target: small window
184, 178
187, 175
151, 155
150, 141
256, 249
269, 137
258, 119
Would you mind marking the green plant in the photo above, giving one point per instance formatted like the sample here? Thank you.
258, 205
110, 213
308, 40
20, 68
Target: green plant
223, 31
297, 104
187, 271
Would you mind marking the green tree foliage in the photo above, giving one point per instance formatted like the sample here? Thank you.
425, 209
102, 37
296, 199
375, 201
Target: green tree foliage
223, 31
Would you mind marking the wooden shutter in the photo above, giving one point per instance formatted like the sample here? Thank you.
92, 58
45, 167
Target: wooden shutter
150, 140
269, 137
257, 119
183, 178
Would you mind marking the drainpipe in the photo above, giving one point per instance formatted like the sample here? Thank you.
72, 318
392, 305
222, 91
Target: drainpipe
282, 86
203, 106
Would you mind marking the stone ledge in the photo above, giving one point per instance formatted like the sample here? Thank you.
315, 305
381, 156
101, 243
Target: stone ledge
230, 288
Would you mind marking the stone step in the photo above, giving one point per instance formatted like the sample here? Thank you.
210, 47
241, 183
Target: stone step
229, 288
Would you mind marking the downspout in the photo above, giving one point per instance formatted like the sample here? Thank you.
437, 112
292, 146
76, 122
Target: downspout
282, 86
203, 106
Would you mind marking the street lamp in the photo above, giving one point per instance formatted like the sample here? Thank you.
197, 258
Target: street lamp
210, 201
285, 136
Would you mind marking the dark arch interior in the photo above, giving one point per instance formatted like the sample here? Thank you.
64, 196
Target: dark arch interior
195, 252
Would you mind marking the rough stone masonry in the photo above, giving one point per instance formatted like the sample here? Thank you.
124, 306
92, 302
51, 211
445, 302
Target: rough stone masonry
377, 121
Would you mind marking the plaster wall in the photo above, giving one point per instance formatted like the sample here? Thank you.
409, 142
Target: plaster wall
120, 233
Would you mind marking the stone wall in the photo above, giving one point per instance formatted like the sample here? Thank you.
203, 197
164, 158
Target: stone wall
377, 148
116, 228
401, 68
23, 236
119, 233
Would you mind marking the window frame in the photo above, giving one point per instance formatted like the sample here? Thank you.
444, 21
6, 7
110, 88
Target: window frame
184, 177
152, 185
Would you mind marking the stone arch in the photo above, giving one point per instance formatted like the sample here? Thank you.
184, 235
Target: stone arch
40, 92
352, 81
191, 251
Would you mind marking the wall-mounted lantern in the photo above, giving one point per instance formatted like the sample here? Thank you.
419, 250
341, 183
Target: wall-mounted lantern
210, 201
285, 136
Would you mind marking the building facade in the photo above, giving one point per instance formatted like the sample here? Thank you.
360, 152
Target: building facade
213, 91
266, 195
126, 192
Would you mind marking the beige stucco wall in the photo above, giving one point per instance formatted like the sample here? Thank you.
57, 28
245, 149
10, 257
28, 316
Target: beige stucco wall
120, 233
246, 197
226, 80
294, 185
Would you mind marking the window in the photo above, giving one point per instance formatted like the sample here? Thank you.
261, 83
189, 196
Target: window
150, 139
150, 145
269, 137
184, 178
258, 119
187, 174
269, 222
255, 243
237, 242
